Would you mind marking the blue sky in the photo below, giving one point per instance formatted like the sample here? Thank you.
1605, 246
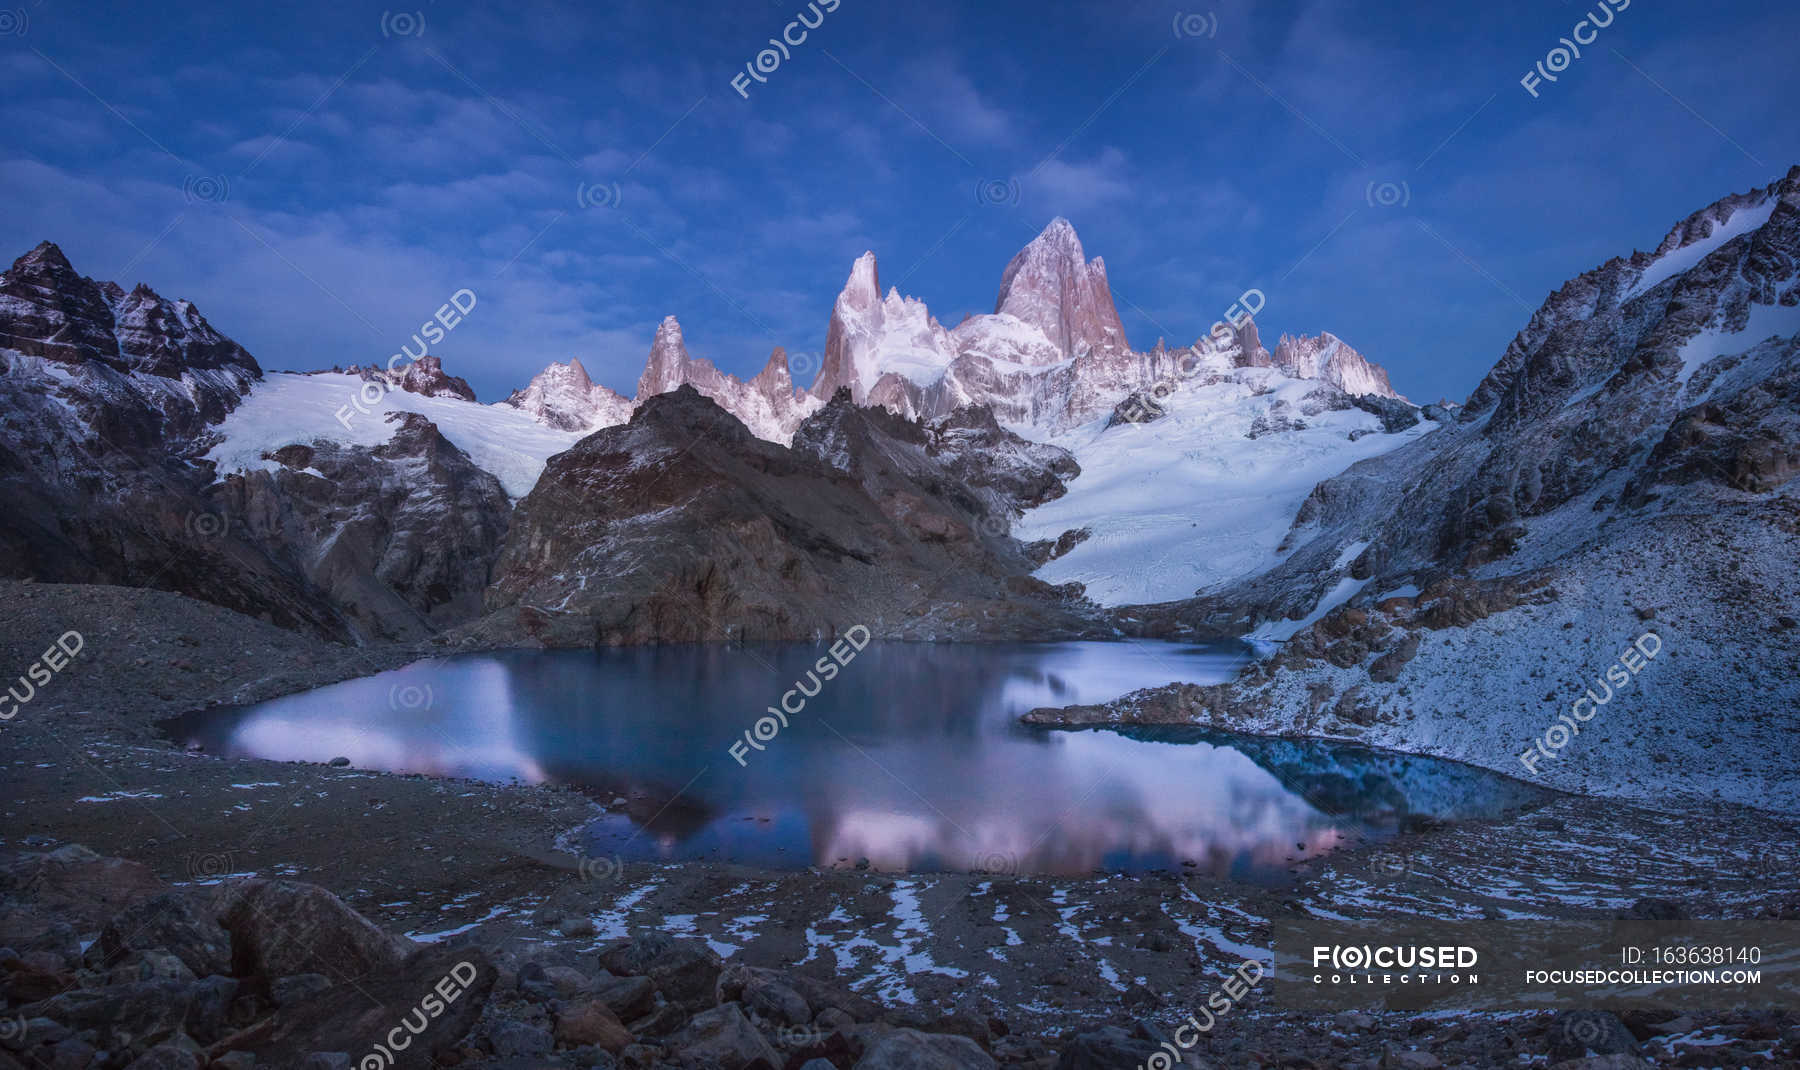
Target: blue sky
320, 178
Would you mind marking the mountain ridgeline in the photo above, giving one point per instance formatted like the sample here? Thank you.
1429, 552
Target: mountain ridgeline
887, 492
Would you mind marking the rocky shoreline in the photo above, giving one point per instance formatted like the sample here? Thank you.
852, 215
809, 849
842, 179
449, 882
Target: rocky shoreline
277, 910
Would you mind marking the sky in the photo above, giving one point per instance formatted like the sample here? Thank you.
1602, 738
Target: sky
321, 178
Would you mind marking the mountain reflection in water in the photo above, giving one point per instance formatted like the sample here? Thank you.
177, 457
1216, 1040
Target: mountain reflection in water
912, 757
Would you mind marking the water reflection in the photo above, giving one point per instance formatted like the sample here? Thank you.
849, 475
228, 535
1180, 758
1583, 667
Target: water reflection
912, 758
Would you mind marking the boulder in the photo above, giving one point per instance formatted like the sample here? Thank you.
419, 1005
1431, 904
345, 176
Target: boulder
286, 927
166, 1057
298, 988
723, 1039
172, 922
592, 1022
1106, 1048
429, 1004
909, 1049
511, 1037
764, 992
684, 971
125, 1018
626, 997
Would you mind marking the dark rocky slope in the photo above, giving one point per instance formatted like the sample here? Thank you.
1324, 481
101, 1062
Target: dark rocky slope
108, 401
1627, 467
681, 525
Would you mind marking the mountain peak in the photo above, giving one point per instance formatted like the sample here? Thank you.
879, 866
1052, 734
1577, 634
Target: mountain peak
1328, 357
44, 257
865, 277
1052, 286
667, 366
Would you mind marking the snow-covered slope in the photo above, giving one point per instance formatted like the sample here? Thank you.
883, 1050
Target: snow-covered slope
1327, 357
1672, 258
286, 408
562, 396
1191, 500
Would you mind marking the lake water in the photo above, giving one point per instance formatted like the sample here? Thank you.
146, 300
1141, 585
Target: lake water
911, 757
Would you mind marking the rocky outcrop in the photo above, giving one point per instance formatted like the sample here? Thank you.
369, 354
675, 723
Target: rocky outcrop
1633, 380
681, 525
977, 475
766, 403
426, 377
48, 310
563, 397
399, 537
112, 398
1327, 357
1052, 286
885, 351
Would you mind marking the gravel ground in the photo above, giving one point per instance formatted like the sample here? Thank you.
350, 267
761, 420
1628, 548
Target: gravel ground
468, 862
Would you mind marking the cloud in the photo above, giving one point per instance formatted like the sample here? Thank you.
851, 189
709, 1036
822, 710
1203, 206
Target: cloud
1071, 188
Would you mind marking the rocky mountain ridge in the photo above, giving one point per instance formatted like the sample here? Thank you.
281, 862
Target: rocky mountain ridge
682, 525
1628, 467
335, 512
1051, 356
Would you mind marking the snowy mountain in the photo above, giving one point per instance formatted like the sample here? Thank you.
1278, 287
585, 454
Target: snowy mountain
1327, 357
286, 408
562, 396
1630, 465
1052, 356
886, 351
1051, 285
